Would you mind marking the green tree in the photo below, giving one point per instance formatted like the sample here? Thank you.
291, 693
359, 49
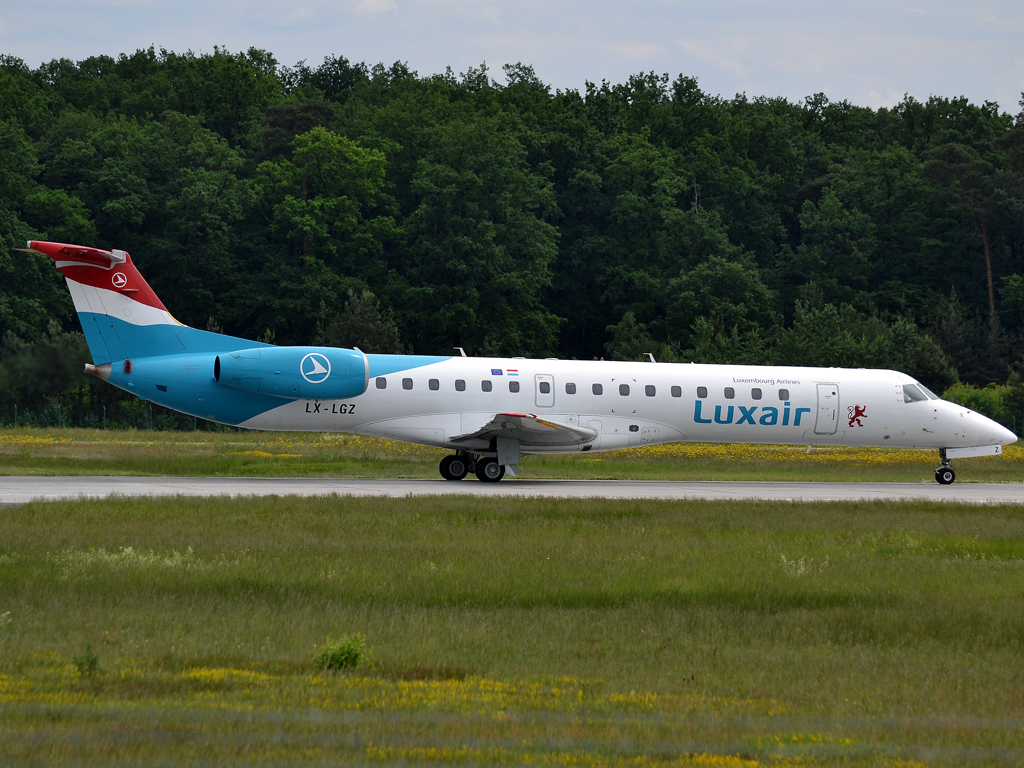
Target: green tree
479, 245
712, 342
31, 290
325, 198
966, 180
727, 293
630, 341
363, 324
822, 337
837, 248
916, 353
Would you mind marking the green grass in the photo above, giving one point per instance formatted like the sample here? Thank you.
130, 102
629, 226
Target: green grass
546, 631
270, 454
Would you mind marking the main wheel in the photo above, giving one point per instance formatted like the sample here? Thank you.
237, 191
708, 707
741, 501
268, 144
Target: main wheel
945, 475
453, 468
489, 470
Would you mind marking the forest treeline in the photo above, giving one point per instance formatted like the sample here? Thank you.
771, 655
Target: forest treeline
372, 206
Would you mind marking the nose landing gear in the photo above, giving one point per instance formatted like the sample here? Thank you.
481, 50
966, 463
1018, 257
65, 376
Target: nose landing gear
944, 475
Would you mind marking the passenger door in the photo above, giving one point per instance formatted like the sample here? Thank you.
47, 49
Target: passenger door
828, 410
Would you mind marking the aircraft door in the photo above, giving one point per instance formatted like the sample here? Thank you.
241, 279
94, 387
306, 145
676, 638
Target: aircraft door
828, 410
545, 387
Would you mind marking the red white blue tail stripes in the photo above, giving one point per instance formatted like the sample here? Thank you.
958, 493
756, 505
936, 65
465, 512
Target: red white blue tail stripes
121, 316
109, 293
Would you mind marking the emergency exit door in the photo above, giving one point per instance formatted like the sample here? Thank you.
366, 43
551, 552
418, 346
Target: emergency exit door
545, 390
828, 410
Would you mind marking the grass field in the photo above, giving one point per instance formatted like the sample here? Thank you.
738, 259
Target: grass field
239, 454
593, 633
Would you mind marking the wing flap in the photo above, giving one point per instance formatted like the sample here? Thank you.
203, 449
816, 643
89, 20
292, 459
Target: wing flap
529, 429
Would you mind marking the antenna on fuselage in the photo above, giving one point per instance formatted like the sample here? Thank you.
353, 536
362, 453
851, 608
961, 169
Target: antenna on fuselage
651, 355
461, 350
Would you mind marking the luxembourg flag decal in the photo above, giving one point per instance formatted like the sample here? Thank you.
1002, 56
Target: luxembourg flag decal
512, 371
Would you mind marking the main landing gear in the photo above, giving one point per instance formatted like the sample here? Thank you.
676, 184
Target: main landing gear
489, 470
456, 467
944, 475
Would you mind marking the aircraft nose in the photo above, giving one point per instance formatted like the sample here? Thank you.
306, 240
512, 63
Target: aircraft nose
1007, 436
995, 433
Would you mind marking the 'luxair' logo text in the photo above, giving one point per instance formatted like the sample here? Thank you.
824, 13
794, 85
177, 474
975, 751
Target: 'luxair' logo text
769, 414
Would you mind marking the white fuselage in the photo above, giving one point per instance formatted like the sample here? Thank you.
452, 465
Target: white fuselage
635, 404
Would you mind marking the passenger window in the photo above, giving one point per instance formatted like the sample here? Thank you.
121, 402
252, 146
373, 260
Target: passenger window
460, 385
434, 384
649, 390
730, 393
702, 392
570, 389
677, 391
755, 393
382, 383
912, 394
406, 383
783, 394
485, 385
545, 387
597, 389
624, 389
513, 386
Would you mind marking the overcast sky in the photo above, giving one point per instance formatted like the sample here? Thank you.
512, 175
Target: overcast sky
869, 52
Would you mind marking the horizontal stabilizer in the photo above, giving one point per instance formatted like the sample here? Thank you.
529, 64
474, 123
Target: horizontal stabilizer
65, 254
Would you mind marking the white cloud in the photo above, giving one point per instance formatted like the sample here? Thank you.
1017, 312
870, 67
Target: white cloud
867, 51
718, 53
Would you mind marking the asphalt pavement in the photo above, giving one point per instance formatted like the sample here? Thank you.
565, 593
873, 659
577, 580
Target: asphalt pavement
19, 490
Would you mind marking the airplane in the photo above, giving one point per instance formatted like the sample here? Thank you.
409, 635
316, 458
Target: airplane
492, 411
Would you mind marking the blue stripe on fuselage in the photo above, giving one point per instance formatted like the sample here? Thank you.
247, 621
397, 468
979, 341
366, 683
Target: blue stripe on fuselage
382, 365
186, 378
188, 386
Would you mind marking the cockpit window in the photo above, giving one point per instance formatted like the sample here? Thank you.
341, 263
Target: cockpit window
912, 394
928, 392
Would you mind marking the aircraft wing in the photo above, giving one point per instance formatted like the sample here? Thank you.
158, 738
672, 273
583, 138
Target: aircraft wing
529, 429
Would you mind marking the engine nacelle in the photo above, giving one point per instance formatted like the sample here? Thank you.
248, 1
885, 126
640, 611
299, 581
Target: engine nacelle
312, 373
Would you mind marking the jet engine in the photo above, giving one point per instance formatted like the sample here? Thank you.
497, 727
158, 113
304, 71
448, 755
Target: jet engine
311, 373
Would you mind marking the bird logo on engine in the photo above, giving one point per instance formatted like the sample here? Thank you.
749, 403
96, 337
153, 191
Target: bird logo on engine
315, 368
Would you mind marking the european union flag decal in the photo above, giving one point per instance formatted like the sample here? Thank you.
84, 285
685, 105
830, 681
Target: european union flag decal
495, 371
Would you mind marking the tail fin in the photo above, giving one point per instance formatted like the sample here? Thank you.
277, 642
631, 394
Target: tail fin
121, 316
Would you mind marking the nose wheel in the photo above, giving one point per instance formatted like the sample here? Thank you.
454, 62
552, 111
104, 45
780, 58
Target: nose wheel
944, 475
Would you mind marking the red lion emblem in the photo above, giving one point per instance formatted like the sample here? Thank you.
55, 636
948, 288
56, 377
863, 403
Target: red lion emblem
856, 413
